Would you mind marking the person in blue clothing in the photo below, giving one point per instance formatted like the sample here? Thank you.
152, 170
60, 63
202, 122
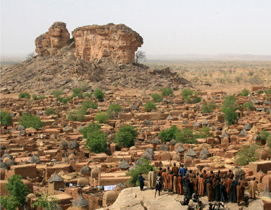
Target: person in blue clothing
182, 171
141, 181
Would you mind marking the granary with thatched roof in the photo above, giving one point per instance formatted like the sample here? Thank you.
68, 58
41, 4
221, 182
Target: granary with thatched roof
55, 182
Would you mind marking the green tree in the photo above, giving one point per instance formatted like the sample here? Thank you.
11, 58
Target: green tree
50, 111
203, 132
187, 94
156, 97
24, 95
96, 140
35, 97
87, 95
208, 107
197, 100
28, 120
149, 106
167, 92
186, 136
46, 202
17, 189
99, 94
91, 127
125, 136
113, 109
244, 92
248, 106
168, 134
89, 104
229, 107
247, 154
143, 167
101, 117
5, 118
76, 115
9, 202
76, 92
264, 135
57, 93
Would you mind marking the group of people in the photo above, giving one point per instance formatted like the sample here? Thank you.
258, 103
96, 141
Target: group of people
192, 184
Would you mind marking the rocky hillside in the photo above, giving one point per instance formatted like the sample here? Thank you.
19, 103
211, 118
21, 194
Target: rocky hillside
43, 74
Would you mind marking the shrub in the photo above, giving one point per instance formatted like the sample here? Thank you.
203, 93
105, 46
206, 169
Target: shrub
101, 118
125, 136
44, 202
264, 135
244, 92
197, 100
5, 118
156, 97
167, 92
268, 91
248, 105
260, 91
64, 100
144, 167
99, 94
168, 134
89, 104
35, 97
50, 111
87, 95
76, 115
114, 108
76, 92
17, 189
91, 127
247, 154
208, 107
188, 93
24, 95
229, 107
186, 136
149, 106
9, 202
203, 132
96, 141
28, 120
57, 93
230, 102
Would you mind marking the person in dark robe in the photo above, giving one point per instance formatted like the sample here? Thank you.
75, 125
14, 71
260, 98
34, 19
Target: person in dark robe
204, 174
164, 176
233, 197
229, 174
219, 175
229, 182
187, 188
195, 183
175, 169
180, 184
158, 184
209, 187
141, 181
217, 191
212, 174
170, 181
201, 184
160, 171
224, 188
240, 191
182, 171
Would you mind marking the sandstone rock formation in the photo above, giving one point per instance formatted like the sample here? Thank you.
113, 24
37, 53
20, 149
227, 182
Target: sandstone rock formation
57, 37
116, 41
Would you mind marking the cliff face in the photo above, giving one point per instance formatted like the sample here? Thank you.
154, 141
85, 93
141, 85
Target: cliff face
49, 43
116, 41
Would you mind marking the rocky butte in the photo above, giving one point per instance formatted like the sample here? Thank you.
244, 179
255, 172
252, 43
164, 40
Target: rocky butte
94, 41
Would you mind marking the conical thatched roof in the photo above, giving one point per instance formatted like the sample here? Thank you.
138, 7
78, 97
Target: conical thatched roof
247, 126
180, 115
73, 145
266, 192
124, 164
256, 137
67, 128
80, 128
214, 128
3, 165
191, 153
172, 142
63, 144
34, 159
243, 132
7, 155
205, 122
224, 134
203, 157
266, 102
55, 178
169, 117
164, 147
204, 151
196, 124
147, 156
20, 128
80, 201
10, 162
149, 150
134, 107
85, 170
155, 141
22, 163
180, 149
146, 122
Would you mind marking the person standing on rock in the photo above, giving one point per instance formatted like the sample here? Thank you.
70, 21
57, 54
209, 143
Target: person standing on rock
164, 177
253, 188
141, 181
152, 179
158, 184
175, 183
180, 184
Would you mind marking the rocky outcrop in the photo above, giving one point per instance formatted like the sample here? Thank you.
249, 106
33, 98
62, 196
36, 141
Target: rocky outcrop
116, 41
49, 43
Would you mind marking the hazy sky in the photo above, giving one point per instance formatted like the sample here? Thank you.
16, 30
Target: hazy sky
167, 26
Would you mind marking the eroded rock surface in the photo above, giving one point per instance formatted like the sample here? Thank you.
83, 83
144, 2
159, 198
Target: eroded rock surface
116, 41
